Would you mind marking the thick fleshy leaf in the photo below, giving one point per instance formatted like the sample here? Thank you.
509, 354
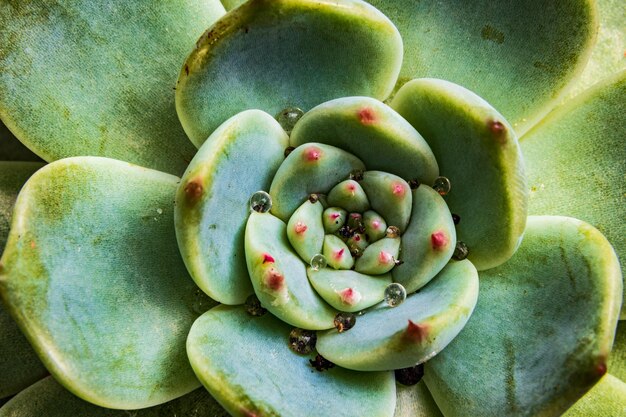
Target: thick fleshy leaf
411, 333
429, 241
305, 230
478, 152
576, 159
310, 168
607, 55
348, 290
379, 257
374, 132
617, 360
12, 149
212, 202
542, 330
274, 54
337, 253
246, 364
519, 56
48, 398
606, 399
19, 365
279, 275
92, 78
94, 278
390, 196
414, 401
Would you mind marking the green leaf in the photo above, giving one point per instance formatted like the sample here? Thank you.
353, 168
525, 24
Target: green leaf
12, 149
390, 196
245, 362
606, 399
19, 365
212, 201
478, 152
231, 4
274, 54
519, 56
94, 78
49, 398
305, 230
413, 332
414, 401
93, 276
279, 275
542, 330
617, 360
576, 162
372, 131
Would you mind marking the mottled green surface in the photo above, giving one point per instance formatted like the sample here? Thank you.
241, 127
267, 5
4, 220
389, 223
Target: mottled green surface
411, 333
542, 330
212, 201
310, 168
279, 275
96, 78
518, 55
274, 54
415, 401
348, 290
606, 399
305, 230
478, 151
607, 55
268, 379
19, 366
390, 196
617, 359
374, 132
576, 161
12, 149
93, 275
48, 398
421, 259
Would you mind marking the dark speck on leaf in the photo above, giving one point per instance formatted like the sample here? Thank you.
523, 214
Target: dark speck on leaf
321, 364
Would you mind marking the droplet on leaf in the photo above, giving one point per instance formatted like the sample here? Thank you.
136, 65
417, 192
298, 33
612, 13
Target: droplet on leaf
261, 202
289, 117
318, 261
442, 185
344, 321
254, 307
410, 376
414, 183
302, 341
456, 218
395, 294
393, 232
320, 363
460, 251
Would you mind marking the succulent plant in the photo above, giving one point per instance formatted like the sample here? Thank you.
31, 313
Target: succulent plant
356, 205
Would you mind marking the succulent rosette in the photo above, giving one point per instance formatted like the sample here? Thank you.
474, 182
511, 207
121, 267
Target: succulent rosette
356, 203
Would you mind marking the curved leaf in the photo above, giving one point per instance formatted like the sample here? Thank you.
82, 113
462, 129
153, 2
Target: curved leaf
606, 399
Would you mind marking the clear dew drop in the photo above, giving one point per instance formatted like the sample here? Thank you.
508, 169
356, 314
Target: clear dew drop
318, 262
442, 185
261, 202
395, 294
344, 321
302, 341
460, 251
288, 118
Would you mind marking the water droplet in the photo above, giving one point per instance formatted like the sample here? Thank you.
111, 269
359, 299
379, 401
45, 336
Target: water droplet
261, 202
314, 198
410, 376
344, 321
460, 251
442, 185
356, 175
302, 341
413, 183
393, 232
160, 211
456, 218
320, 363
289, 117
318, 262
395, 294
254, 307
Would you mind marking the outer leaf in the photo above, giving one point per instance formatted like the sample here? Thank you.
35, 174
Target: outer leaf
19, 366
48, 398
274, 54
577, 160
519, 56
245, 362
542, 330
606, 399
212, 201
478, 151
95, 78
92, 274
